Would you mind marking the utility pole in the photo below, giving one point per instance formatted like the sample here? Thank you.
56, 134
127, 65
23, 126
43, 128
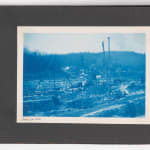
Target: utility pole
103, 48
104, 61
109, 58
108, 43
109, 63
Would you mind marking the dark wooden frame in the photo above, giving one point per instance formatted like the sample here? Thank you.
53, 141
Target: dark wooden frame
10, 17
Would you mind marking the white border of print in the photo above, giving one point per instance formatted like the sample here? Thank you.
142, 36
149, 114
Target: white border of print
67, 29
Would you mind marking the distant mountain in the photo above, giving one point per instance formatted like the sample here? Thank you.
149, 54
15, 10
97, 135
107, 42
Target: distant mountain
36, 62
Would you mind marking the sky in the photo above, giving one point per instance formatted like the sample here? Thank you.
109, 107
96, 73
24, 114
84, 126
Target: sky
61, 43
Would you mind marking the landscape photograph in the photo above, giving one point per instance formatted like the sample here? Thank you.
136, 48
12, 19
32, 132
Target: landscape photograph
84, 75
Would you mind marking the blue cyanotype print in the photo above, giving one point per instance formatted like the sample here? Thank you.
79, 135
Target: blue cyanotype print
84, 75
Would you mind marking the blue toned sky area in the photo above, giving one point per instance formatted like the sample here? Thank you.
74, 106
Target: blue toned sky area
75, 43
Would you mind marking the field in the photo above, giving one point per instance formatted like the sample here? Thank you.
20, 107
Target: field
78, 91
41, 101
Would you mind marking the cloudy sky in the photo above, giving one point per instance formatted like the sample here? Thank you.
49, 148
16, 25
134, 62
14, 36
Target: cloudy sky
74, 43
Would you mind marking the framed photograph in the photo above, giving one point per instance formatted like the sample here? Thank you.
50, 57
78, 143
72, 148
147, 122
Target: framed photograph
83, 75
75, 74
